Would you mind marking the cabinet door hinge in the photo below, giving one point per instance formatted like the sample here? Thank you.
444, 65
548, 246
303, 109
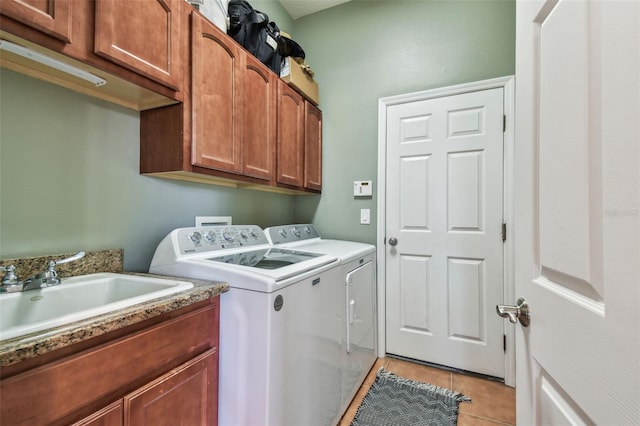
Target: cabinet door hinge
504, 232
504, 343
504, 123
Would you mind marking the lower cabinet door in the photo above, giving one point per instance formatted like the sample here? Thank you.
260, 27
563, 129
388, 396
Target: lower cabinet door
111, 415
186, 395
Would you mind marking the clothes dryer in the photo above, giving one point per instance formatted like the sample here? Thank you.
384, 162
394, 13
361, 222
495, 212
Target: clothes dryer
358, 263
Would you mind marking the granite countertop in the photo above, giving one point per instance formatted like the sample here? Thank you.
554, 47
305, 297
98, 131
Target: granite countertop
38, 343
32, 345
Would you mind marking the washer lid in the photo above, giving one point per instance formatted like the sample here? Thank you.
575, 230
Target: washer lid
276, 263
272, 258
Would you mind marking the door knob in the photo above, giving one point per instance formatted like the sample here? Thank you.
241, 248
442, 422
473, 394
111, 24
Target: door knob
519, 312
393, 241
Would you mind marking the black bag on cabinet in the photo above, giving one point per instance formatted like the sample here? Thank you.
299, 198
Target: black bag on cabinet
252, 29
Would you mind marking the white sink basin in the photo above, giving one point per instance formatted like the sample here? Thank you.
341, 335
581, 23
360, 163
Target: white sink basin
78, 298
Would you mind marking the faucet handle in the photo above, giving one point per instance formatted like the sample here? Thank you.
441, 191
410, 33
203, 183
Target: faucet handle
10, 277
50, 277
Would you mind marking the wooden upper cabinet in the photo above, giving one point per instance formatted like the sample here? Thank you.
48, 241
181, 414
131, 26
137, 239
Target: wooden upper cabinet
290, 136
216, 71
52, 17
141, 35
313, 147
258, 115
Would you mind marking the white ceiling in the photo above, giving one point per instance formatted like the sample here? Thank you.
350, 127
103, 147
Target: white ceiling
300, 8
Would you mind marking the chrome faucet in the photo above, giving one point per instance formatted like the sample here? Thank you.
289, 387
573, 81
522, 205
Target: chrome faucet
48, 278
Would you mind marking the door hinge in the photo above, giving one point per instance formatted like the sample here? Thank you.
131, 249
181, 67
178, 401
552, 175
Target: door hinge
504, 343
504, 232
504, 123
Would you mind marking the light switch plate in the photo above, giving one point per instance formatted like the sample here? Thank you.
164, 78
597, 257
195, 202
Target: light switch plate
365, 216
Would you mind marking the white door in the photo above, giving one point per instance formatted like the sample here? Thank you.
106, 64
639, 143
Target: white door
444, 215
577, 201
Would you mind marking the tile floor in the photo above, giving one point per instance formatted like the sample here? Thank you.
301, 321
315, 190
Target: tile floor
492, 403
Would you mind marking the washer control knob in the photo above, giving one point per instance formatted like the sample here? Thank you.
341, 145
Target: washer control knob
210, 236
296, 231
254, 234
195, 237
283, 233
229, 234
244, 234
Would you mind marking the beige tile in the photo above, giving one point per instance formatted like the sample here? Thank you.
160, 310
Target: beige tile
420, 372
469, 420
490, 400
353, 408
493, 404
371, 377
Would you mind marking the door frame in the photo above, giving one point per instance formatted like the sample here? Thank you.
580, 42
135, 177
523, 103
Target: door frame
507, 83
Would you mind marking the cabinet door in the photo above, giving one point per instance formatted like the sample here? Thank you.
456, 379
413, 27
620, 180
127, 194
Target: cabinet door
49, 16
258, 117
290, 136
187, 395
312, 147
215, 97
142, 35
111, 415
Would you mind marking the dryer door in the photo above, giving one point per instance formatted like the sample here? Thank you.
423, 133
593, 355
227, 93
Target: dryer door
361, 309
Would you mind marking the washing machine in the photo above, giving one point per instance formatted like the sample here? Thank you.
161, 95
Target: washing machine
280, 323
358, 265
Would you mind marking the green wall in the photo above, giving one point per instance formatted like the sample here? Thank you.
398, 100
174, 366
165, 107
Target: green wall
69, 164
69, 180
367, 49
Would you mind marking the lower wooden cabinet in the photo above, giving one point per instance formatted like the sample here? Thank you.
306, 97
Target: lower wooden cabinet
186, 395
182, 396
163, 374
111, 415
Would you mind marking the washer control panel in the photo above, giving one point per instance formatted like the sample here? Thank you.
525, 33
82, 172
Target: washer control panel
291, 233
222, 237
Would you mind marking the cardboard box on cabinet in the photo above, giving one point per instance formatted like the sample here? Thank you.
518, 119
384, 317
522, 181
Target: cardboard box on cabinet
294, 74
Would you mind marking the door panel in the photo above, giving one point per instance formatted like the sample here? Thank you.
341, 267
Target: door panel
577, 211
290, 136
154, 50
52, 17
216, 97
259, 118
444, 205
